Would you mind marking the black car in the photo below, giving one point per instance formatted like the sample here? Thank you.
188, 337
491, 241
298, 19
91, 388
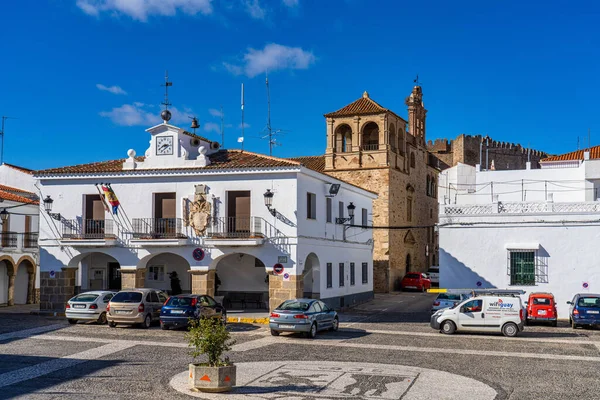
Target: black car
178, 310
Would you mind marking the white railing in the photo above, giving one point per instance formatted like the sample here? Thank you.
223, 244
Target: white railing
522, 208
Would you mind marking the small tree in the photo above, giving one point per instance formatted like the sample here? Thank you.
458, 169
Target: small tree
209, 336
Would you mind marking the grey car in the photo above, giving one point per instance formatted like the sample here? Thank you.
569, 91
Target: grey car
135, 306
306, 316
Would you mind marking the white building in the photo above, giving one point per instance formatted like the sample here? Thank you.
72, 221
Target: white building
190, 208
533, 230
19, 278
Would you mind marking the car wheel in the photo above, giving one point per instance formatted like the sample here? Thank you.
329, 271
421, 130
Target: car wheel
112, 324
274, 333
573, 324
555, 323
527, 322
102, 319
510, 329
72, 321
448, 327
147, 322
335, 325
313, 331
423, 289
164, 327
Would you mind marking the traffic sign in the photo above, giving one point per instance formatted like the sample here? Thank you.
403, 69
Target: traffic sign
198, 254
278, 269
585, 285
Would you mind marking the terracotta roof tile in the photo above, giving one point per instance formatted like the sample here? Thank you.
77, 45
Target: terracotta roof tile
316, 163
16, 198
27, 171
196, 136
575, 155
363, 106
15, 190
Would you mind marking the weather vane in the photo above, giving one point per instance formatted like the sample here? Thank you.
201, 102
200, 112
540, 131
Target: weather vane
416, 80
166, 114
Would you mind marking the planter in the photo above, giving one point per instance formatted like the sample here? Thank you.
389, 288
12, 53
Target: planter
212, 379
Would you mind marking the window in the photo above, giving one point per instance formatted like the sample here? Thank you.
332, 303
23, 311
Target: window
472, 306
154, 297
352, 275
311, 206
324, 306
317, 306
365, 217
428, 186
522, 267
409, 209
329, 275
156, 273
341, 209
329, 205
412, 160
342, 275
365, 272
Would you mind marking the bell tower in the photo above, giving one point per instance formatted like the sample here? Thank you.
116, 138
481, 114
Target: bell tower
416, 114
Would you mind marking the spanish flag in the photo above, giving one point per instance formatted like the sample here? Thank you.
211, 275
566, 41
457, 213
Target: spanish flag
111, 198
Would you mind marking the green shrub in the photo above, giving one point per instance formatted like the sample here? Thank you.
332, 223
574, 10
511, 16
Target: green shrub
209, 336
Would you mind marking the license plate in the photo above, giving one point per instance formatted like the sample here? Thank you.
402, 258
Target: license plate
542, 312
593, 312
78, 305
122, 311
286, 326
410, 287
177, 311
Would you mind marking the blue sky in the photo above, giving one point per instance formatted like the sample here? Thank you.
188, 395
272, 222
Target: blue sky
83, 76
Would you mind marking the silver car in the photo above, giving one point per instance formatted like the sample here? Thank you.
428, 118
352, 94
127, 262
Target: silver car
88, 306
303, 315
447, 300
135, 306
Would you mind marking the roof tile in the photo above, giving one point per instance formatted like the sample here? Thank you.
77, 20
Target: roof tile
16, 198
575, 155
363, 106
316, 163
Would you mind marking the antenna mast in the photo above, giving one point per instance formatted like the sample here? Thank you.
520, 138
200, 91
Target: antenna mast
4, 118
166, 114
242, 138
270, 131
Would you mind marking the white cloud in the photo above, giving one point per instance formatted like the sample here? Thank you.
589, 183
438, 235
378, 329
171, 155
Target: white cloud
254, 9
215, 113
137, 114
291, 3
141, 9
111, 89
271, 58
212, 127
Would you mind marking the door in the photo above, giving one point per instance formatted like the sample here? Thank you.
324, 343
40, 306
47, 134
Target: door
165, 213
93, 223
207, 306
471, 316
114, 276
155, 305
96, 279
238, 211
327, 313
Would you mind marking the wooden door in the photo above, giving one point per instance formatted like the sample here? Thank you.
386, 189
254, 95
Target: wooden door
238, 211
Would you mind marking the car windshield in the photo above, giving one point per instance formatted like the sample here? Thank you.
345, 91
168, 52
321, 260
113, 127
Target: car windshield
294, 305
589, 302
447, 296
85, 297
412, 276
543, 301
127, 297
180, 301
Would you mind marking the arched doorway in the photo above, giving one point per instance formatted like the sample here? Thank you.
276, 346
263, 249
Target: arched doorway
21, 283
4, 267
98, 271
160, 269
312, 277
243, 282
343, 138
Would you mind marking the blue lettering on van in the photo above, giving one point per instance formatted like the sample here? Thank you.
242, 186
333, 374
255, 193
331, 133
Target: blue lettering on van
501, 304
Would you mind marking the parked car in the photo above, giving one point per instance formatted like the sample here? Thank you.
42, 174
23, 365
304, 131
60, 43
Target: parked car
88, 306
482, 313
541, 307
446, 300
434, 275
415, 281
178, 310
584, 310
303, 315
135, 306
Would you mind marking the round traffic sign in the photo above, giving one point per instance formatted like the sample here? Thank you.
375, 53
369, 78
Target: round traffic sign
278, 269
198, 254
585, 285
479, 283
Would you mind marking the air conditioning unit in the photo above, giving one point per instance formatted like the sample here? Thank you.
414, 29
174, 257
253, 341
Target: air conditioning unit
215, 146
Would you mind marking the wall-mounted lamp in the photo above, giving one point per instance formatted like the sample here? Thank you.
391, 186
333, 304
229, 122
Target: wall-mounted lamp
269, 202
4, 215
48, 207
351, 207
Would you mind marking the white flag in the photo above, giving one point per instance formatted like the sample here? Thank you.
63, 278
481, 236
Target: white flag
240, 140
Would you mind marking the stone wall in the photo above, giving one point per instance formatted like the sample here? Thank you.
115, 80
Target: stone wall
203, 282
55, 292
133, 278
281, 290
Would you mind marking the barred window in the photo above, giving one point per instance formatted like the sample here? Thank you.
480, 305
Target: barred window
526, 267
365, 272
329, 275
352, 275
329, 206
342, 275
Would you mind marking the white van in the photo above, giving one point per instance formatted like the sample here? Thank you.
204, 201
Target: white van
485, 312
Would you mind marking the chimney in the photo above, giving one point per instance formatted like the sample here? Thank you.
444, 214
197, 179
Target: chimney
586, 155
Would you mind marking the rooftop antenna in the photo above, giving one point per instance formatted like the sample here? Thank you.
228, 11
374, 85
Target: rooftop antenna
222, 128
577, 142
270, 131
241, 139
589, 139
166, 114
4, 118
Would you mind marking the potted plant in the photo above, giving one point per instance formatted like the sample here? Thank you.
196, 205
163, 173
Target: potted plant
208, 336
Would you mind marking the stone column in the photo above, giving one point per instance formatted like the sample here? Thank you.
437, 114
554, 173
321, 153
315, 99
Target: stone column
31, 285
330, 136
356, 136
11, 288
280, 290
133, 278
203, 282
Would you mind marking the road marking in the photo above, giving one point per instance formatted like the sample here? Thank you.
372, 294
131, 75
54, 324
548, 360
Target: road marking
47, 367
253, 344
30, 332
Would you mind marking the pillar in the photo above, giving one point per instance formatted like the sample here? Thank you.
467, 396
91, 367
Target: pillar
11, 288
31, 285
281, 290
133, 278
356, 135
56, 291
203, 282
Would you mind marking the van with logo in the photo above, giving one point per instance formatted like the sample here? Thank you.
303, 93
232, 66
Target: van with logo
487, 311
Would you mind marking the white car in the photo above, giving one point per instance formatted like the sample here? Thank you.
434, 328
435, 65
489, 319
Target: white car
88, 306
434, 275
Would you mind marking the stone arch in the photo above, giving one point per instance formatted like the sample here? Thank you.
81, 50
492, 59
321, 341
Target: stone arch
10, 264
312, 277
343, 138
97, 270
401, 140
7, 274
159, 268
392, 140
24, 285
370, 136
242, 280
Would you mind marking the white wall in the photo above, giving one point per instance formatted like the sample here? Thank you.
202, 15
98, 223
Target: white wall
238, 273
18, 179
171, 262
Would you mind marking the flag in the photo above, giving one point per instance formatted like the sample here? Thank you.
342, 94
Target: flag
102, 199
111, 197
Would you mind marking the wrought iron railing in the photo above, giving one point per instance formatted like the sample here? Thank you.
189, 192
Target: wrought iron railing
157, 228
522, 208
30, 240
370, 147
8, 240
88, 229
240, 228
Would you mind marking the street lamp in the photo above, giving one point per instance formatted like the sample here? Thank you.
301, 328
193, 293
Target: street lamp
48, 207
4, 215
269, 202
351, 207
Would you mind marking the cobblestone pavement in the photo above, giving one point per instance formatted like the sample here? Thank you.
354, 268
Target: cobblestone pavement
383, 350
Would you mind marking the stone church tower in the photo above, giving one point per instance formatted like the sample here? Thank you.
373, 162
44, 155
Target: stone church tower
372, 147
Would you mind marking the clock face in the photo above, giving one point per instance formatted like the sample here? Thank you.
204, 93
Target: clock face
164, 145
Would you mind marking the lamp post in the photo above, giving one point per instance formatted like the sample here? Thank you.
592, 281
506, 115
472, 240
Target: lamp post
4, 215
268, 195
48, 207
342, 221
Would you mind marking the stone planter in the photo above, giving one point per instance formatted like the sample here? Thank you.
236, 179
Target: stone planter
212, 379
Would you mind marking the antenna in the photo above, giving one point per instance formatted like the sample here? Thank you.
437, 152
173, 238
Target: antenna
166, 114
270, 131
589, 139
4, 118
222, 128
416, 80
241, 140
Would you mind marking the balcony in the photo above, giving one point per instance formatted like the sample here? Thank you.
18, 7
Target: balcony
88, 232
30, 240
370, 147
158, 232
239, 231
14, 241
8, 240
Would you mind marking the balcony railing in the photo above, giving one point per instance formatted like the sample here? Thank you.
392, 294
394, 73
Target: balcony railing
522, 208
157, 228
30, 240
88, 229
19, 240
8, 240
240, 228
370, 147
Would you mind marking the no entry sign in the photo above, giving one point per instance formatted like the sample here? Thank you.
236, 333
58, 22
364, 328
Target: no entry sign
278, 269
198, 254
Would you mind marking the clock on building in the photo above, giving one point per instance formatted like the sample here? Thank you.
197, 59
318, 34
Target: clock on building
164, 145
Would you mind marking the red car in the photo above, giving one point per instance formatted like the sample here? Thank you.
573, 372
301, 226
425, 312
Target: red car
541, 307
416, 281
